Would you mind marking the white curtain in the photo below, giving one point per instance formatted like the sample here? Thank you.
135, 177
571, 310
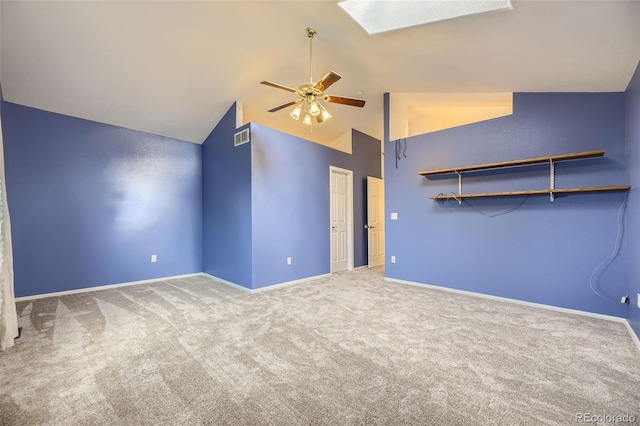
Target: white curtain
8, 317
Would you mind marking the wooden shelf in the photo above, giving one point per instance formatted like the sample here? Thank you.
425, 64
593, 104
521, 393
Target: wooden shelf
551, 191
515, 163
532, 192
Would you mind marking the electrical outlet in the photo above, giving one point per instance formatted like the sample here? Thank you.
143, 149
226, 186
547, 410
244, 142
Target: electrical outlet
624, 299
394, 216
393, 259
154, 258
288, 261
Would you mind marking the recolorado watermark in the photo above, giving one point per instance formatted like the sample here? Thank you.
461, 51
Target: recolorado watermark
606, 418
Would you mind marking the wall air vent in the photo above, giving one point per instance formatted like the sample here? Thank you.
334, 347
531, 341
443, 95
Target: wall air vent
241, 137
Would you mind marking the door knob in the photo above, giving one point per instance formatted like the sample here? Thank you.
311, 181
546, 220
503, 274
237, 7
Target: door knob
334, 227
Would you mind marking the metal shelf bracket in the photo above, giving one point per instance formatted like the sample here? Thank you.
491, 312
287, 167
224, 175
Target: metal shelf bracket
552, 180
459, 186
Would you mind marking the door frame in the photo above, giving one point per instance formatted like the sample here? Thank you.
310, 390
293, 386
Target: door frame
350, 236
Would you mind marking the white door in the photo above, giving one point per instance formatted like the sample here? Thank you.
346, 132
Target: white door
339, 222
375, 220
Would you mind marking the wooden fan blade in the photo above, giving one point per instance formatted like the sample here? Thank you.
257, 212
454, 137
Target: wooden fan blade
344, 101
279, 86
326, 81
288, 104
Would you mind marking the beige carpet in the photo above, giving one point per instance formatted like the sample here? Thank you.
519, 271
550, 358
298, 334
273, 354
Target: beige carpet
349, 349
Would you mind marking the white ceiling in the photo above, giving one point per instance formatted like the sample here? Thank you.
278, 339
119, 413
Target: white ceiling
174, 68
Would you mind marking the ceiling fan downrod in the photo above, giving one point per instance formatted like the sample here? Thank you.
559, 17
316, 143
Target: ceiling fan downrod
311, 33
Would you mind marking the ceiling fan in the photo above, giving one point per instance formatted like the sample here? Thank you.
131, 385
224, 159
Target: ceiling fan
312, 93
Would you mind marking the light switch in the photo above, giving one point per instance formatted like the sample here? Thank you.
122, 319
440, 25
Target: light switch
394, 216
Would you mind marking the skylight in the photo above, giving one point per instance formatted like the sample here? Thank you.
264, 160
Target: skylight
378, 16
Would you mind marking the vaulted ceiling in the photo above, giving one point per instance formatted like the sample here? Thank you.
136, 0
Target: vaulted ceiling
174, 68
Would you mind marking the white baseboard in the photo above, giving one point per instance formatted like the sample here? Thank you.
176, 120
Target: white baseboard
516, 301
102, 287
269, 287
287, 283
633, 334
197, 274
624, 321
229, 283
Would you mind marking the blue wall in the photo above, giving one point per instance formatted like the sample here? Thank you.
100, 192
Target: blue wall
86, 196
226, 186
91, 202
290, 203
541, 252
632, 98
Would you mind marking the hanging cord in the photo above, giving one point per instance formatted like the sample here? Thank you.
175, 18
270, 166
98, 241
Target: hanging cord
397, 152
400, 149
500, 213
452, 198
614, 253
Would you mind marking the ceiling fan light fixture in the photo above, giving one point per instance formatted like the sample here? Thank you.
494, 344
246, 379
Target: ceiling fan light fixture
295, 114
325, 113
307, 119
314, 108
